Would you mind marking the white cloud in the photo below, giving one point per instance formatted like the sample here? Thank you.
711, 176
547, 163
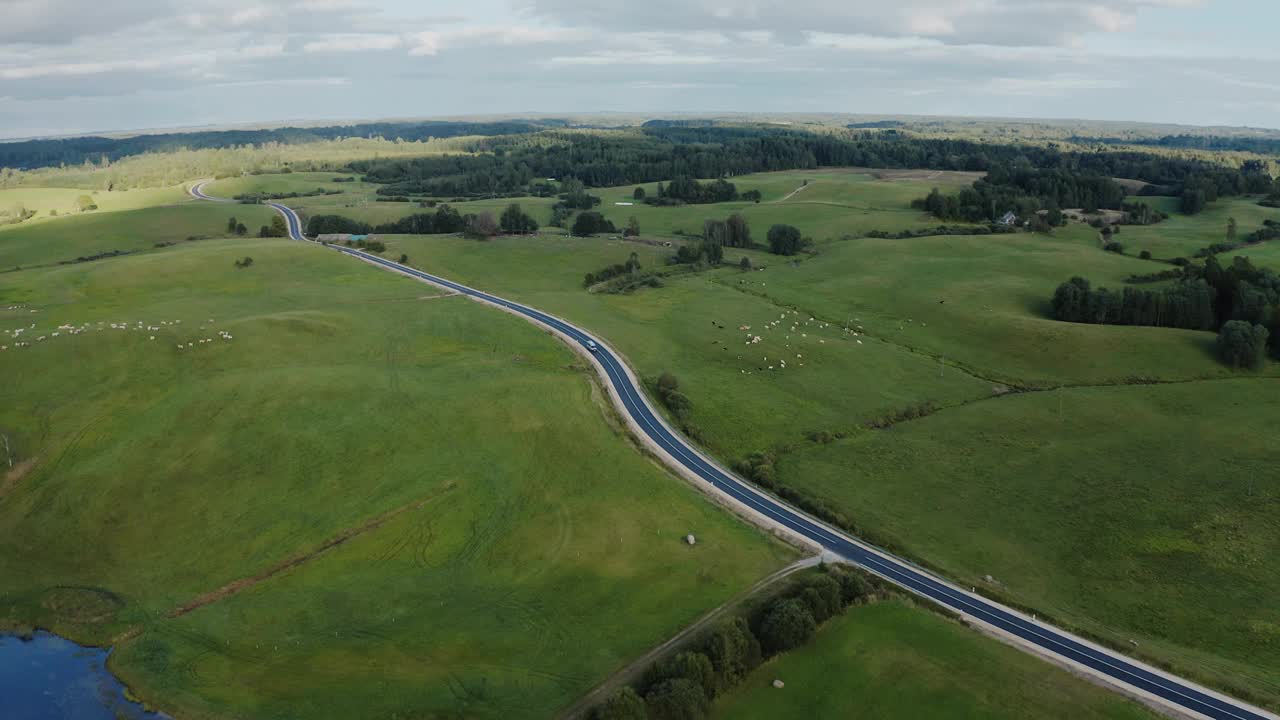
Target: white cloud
1053, 85
870, 42
638, 57
250, 15
353, 42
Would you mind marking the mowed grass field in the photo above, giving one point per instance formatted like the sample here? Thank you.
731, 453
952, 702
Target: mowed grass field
66, 239
419, 503
889, 660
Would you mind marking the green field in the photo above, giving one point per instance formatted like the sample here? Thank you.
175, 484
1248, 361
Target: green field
1182, 235
832, 204
983, 302
831, 380
973, 489
1140, 513
45, 201
504, 551
888, 660
66, 239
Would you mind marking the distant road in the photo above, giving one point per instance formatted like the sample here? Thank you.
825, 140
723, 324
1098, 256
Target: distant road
1115, 668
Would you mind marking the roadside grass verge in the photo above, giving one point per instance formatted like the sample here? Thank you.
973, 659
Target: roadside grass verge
888, 659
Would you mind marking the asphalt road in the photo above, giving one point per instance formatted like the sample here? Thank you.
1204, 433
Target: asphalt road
1117, 668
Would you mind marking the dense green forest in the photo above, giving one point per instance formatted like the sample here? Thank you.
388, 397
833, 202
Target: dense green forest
1019, 176
1213, 143
73, 151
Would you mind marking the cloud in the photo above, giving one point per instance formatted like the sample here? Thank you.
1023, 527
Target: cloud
154, 62
431, 42
353, 42
871, 42
638, 57
1053, 85
1018, 22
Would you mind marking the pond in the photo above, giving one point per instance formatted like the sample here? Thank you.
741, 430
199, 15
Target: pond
48, 677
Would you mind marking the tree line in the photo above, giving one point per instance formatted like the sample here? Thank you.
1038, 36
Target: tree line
683, 686
1209, 298
516, 163
1026, 189
443, 221
73, 151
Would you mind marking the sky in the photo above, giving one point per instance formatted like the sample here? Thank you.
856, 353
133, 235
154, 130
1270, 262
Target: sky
77, 66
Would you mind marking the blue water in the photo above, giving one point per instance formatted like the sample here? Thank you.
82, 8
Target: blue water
52, 678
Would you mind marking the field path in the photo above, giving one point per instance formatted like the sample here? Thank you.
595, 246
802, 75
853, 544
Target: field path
633, 670
1115, 667
791, 194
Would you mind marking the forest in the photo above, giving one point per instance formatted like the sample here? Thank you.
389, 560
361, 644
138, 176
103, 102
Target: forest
29, 154
1205, 298
1023, 174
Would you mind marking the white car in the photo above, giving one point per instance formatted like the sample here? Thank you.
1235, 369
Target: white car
591, 345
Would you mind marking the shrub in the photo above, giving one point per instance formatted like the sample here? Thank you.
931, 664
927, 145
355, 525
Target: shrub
624, 704
591, 222
1243, 345
692, 666
676, 699
733, 651
403, 259
1114, 247
1144, 255
821, 595
788, 624
853, 587
784, 240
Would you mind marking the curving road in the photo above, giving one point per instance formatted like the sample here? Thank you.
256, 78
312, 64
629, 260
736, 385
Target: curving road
1117, 669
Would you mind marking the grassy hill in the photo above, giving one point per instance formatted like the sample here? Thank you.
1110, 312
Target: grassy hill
65, 239
370, 500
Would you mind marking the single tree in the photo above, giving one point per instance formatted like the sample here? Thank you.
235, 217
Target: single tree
638, 194
85, 203
278, 227
1242, 344
633, 227
784, 240
231, 224
241, 229
1231, 230
745, 263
